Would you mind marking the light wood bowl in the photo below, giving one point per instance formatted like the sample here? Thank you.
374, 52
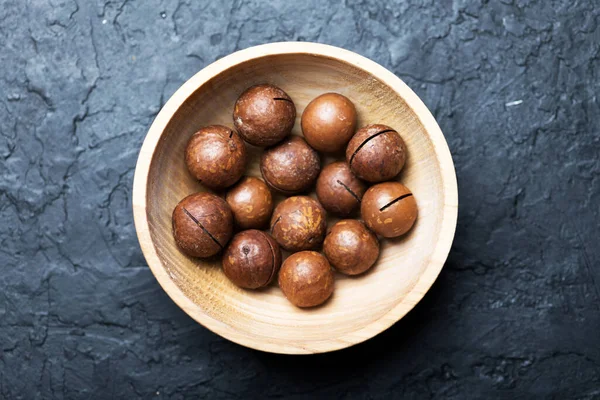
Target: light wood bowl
360, 307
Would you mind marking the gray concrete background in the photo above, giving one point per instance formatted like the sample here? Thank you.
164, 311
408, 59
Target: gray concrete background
514, 314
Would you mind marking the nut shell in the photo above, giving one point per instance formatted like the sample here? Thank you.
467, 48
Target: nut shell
202, 224
252, 259
389, 209
350, 247
291, 167
328, 122
299, 223
376, 153
306, 279
251, 203
264, 115
216, 156
339, 190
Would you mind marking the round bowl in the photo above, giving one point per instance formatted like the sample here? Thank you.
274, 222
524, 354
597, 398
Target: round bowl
360, 307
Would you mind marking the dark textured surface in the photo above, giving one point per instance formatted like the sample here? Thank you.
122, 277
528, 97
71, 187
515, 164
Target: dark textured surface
514, 314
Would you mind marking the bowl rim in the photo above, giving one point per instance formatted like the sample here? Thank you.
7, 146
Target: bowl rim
448, 177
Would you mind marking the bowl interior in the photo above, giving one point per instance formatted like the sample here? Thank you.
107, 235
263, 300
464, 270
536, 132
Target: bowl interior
266, 316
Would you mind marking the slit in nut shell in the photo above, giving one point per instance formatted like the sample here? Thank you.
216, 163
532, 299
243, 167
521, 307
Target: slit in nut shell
264, 115
216, 156
202, 224
339, 190
376, 153
389, 209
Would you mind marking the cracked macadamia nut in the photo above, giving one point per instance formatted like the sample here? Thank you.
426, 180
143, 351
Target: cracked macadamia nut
264, 115
376, 153
202, 224
339, 190
389, 209
328, 122
216, 156
299, 223
252, 259
306, 279
251, 202
350, 247
290, 167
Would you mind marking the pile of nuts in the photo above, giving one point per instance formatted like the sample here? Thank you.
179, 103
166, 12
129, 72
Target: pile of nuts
264, 115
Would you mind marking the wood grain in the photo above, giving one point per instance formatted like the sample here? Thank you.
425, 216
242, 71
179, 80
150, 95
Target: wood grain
360, 307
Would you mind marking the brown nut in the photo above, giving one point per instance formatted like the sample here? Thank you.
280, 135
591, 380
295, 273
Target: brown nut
376, 153
299, 223
264, 115
306, 279
290, 167
216, 156
328, 122
251, 202
350, 247
389, 209
252, 259
339, 190
202, 224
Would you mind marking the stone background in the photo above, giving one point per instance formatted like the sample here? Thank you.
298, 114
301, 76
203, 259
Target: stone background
514, 85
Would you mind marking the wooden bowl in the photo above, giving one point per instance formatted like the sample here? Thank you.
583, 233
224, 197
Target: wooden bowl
360, 307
